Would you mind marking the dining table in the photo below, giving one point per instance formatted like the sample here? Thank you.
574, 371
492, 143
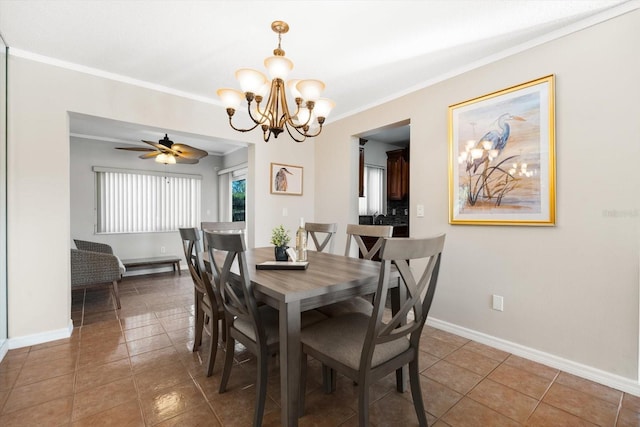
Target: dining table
328, 279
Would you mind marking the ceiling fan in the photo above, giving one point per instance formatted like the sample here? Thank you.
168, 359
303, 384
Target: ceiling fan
167, 152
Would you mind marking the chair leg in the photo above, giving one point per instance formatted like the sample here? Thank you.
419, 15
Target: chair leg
303, 383
261, 386
363, 402
416, 392
213, 347
116, 294
223, 325
228, 362
329, 379
197, 340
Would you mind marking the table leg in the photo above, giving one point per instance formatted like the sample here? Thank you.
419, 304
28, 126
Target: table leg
289, 362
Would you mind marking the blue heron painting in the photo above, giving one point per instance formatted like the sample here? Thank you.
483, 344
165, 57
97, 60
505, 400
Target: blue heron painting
494, 141
281, 179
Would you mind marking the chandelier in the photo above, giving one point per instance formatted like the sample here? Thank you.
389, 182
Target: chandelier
274, 116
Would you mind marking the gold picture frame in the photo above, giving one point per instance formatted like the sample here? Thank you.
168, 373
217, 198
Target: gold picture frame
286, 179
502, 157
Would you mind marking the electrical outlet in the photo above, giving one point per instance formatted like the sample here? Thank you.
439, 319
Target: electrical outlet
162, 249
420, 211
498, 303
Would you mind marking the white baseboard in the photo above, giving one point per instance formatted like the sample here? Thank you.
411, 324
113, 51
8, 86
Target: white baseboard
4, 348
617, 382
42, 337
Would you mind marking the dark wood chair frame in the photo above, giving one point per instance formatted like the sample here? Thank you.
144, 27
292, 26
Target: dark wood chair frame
239, 302
418, 298
208, 307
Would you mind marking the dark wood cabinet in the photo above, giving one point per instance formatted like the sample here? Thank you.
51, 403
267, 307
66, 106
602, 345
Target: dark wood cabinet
361, 174
361, 169
397, 174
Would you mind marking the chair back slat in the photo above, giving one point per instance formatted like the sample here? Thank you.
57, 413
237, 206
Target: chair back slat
356, 232
323, 231
190, 246
418, 283
192, 253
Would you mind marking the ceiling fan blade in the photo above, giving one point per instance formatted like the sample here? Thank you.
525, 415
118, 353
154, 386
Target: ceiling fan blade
135, 148
188, 151
186, 161
157, 146
150, 155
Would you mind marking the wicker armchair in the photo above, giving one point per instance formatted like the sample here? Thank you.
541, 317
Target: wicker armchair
94, 264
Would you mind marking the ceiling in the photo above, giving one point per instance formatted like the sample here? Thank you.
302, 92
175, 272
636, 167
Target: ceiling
367, 52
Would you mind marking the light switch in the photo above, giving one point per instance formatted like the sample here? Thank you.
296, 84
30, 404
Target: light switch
420, 211
285, 212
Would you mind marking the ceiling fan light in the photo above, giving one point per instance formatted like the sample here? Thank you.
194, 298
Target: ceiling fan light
278, 67
167, 159
231, 98
310, 89
323, 107
250, 80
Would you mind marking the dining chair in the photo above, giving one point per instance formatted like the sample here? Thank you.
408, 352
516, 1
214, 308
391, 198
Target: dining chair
221, 226
357, 232
321, 231
208, 309
368, 348
256, 327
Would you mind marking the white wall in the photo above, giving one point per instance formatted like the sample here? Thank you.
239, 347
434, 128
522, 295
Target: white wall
375, 153
570, 291
39, 176
87, 153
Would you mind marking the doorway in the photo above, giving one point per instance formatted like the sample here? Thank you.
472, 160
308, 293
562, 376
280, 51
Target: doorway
384, 192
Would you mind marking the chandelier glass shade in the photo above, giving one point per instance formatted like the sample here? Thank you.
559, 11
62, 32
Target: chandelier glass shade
267, 103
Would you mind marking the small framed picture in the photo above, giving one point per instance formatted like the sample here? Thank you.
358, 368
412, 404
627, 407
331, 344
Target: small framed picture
286, 179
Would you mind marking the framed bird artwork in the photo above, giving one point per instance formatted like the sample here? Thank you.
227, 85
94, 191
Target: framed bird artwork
502, 157
286, 179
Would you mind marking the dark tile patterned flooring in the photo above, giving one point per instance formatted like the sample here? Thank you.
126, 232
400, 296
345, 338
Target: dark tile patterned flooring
135, 367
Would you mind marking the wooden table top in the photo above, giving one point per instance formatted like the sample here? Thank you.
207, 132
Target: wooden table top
327, 278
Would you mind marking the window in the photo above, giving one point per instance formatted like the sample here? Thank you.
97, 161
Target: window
145, 202
373, 201
232, 193
238, 194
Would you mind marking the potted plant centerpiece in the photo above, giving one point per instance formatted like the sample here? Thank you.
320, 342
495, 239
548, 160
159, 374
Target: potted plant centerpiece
280, 237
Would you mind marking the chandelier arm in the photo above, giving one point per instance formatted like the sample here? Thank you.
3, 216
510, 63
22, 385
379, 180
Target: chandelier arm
242, 130
315, 134
260, 113
304, 136
270, 112
266, 134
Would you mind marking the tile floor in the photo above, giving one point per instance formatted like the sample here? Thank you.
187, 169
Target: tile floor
134, 367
